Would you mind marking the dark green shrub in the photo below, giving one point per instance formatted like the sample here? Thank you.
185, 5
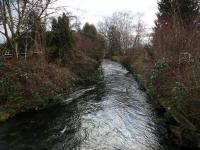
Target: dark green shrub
9, 90
53, 52
159, 67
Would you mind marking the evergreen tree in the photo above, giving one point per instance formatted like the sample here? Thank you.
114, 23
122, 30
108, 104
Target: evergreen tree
86, 27
60, 40
165, 10
114, 41
54, 24
89, 30
184, 10
188, 9
176, 18
64, 33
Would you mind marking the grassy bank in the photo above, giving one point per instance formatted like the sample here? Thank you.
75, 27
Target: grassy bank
34, 85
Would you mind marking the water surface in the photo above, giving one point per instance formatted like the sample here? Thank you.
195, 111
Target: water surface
112, 115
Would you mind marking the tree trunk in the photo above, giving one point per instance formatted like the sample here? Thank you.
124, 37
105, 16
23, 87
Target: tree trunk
26, 49
16, 50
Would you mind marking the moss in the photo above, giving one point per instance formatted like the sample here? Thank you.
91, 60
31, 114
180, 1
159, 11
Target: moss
4, 116
116, 58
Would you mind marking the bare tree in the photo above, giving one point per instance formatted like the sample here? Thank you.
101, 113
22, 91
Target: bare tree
16, 17
140, 34
130, 33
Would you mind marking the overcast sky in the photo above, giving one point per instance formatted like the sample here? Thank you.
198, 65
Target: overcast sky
93, 11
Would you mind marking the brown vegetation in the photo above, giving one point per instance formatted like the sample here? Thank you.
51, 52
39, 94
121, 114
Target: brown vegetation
169, 66
43, 66
35, 85
171, 70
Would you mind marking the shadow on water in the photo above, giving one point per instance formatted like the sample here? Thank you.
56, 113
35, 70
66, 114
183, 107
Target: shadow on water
113, 114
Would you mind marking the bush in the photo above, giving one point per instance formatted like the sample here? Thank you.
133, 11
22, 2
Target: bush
9, 90
176, 78
53, 52
159, 67
116, 58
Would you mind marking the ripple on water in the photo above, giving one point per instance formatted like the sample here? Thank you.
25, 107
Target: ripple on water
112, 115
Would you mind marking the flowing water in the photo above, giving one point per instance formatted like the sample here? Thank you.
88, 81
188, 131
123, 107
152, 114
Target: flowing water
110, 115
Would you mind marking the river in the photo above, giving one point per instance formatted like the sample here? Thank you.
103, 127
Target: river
113, 114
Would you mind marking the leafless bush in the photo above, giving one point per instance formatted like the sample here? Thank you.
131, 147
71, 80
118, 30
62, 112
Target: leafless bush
179, 81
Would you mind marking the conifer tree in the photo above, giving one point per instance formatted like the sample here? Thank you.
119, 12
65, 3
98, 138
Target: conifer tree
90, 30
185, 11
61, 37
114, 41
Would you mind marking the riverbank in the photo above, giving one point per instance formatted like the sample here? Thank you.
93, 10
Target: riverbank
34, 85
182, 132
112, 113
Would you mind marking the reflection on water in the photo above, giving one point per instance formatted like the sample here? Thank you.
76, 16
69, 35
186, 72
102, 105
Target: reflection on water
113, 114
